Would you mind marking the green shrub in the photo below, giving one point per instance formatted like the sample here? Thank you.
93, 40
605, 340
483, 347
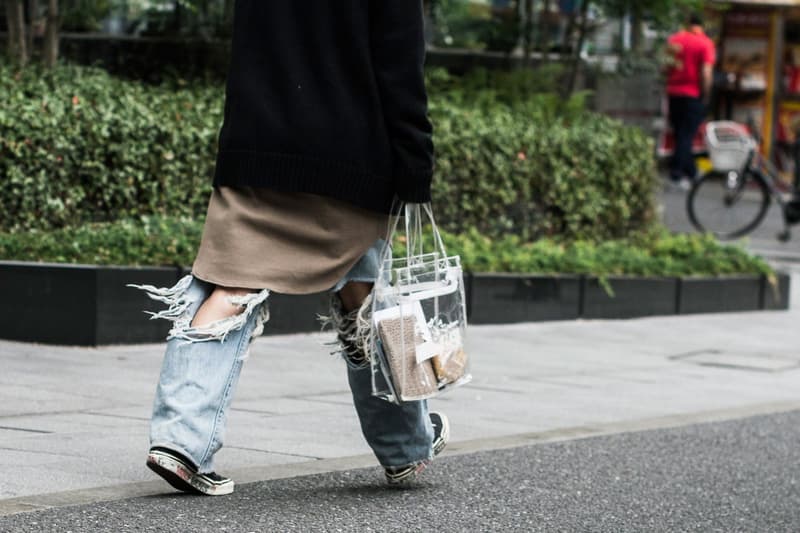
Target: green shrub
584, 178
141, 241
78, 146
457, 25
84, 15
174, 241
523, 89
513, 156
654, 253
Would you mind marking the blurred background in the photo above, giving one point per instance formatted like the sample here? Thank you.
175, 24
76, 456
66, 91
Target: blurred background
550, 122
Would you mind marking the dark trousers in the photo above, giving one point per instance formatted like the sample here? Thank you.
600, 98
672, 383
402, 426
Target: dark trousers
685, 116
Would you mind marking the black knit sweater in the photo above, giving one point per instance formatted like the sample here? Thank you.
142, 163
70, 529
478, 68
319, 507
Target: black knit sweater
328, 97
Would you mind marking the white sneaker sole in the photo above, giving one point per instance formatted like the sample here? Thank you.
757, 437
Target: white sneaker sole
406, 475
184, 478
410, 473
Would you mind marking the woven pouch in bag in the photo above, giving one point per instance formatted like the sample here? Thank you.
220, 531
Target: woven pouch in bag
398, 341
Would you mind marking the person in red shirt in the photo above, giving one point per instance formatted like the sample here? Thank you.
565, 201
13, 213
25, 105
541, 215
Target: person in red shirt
689, 80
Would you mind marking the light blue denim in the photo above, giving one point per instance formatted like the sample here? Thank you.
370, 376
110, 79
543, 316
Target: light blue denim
199, 376
366, 270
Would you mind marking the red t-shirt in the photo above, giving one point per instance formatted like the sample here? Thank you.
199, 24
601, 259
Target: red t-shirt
691, 49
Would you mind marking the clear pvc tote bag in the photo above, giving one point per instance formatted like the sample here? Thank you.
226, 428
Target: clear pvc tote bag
419, 319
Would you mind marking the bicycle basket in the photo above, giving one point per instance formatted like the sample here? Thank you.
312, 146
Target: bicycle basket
729, 145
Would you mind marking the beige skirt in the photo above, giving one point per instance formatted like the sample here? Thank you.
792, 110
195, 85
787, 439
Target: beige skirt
291, 243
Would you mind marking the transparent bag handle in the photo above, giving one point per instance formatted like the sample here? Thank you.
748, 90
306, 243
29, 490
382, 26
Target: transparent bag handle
415, 243
437, 237
413, 228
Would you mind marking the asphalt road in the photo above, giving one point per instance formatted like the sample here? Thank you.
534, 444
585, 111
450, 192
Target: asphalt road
733, 476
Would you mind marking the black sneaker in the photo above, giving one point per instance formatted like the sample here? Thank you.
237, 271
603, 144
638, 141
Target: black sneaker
441, 431
179, 472
407, 474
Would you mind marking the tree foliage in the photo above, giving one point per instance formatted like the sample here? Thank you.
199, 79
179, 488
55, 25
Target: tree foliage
665, 14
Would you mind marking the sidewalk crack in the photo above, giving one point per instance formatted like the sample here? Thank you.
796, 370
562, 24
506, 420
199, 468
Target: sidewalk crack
276, 453
38, 452
26, 430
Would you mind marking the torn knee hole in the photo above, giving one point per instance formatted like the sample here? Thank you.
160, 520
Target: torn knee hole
226, 311
222, 304
220, 328
207, 322
237, 307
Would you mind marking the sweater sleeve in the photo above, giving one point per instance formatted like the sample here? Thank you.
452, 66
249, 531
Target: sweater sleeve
398, 55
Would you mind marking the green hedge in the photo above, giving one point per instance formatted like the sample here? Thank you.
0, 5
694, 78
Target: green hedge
147, 240
518, 158
77, 146
174, 241
587, 179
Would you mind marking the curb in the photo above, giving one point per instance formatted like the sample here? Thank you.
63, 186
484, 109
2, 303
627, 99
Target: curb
42, 502
89, 305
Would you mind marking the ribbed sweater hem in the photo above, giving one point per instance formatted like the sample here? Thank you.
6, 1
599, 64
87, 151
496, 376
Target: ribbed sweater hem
347, 181
414, 186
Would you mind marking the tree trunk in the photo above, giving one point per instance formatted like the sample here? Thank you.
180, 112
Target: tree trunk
51, 34
516, 6
177, 18
33, 21
11, 27
637, 31
576, 56
527, 28
17, 41
567, 43
203, 18
228, 16
543, 33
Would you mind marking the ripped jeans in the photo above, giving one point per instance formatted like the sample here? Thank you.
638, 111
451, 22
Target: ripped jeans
202, 366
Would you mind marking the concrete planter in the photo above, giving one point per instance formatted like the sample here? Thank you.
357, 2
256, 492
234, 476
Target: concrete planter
510, 298
776, 298
90, 305
723, 294
79, 304
632, 297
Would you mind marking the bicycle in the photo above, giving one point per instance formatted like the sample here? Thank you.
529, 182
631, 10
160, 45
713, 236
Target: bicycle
733, 198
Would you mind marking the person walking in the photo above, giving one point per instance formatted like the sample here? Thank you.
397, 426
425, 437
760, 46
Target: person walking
325, 129
692, 57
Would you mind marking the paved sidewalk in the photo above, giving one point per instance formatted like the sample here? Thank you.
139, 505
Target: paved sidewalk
75, 418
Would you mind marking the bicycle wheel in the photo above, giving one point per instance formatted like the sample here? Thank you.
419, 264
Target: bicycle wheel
727, 204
